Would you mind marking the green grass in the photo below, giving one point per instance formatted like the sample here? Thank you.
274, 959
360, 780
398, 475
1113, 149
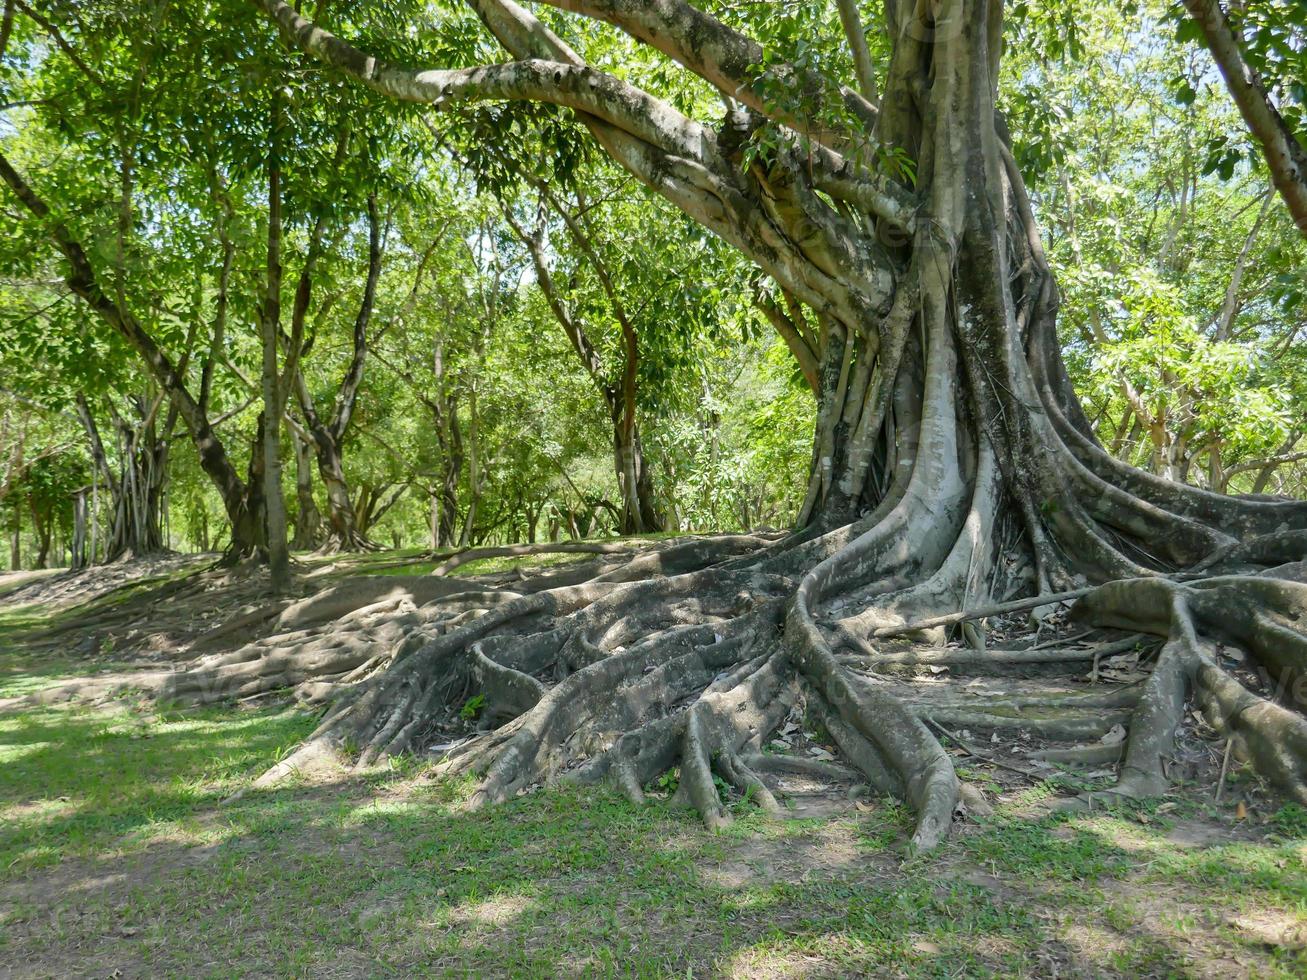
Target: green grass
116, 855
111, 838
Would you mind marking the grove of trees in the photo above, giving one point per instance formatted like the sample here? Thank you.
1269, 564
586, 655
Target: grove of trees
898, 311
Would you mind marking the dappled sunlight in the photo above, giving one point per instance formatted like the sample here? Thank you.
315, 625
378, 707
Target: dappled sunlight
495, 912
561, 881
1274, 927
77, 780
13, 753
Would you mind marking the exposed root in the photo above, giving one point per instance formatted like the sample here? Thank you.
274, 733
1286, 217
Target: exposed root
689, 658
1260, 616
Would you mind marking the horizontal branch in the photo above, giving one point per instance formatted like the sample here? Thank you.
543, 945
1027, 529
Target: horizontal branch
579, 87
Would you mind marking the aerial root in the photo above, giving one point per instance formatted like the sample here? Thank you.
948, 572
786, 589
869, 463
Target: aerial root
860, 750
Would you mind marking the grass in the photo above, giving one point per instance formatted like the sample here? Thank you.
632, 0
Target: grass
115, 856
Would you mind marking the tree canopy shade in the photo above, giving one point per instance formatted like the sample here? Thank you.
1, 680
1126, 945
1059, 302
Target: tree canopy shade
873, 199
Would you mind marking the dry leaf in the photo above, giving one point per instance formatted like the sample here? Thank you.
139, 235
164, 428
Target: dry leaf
1114, 735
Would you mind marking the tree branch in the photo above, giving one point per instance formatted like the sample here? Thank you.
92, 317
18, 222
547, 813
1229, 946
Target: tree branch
862, 66
576, 86
1285, 156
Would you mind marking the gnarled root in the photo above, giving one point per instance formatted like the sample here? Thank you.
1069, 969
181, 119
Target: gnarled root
1260, 615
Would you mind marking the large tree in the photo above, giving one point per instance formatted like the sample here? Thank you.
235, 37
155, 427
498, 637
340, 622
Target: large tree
952, 464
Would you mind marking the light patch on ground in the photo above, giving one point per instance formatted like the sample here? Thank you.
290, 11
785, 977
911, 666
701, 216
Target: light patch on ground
492, 913
774, 964
1274, 928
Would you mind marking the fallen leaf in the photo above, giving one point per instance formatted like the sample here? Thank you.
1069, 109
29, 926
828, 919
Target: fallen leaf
1114, 735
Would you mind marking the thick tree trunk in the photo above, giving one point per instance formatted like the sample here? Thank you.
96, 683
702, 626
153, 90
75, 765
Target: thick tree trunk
639, 513
137, 489
343, 533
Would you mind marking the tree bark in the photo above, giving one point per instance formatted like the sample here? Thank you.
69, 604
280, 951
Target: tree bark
15, 538
274, 508
308, 520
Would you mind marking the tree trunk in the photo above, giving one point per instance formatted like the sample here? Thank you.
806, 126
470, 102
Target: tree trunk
448, 531
343, 533
308, 520
474, 476
78, 556
15, 537
274, 508
639, 513
42, 525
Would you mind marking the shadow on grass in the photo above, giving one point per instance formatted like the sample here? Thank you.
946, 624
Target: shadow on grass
116, 857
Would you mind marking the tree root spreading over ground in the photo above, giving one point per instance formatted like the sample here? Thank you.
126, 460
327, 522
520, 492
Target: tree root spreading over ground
692, 656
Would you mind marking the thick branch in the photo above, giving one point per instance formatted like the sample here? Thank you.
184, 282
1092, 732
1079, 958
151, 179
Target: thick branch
575, 86
1285, 156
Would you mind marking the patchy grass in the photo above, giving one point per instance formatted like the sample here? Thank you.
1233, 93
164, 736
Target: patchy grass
117, 859
116, 856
